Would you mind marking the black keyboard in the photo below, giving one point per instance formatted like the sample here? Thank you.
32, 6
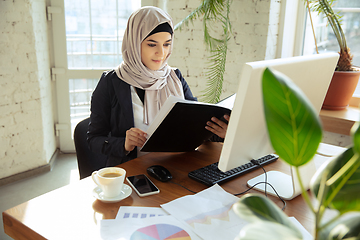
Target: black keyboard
210, 175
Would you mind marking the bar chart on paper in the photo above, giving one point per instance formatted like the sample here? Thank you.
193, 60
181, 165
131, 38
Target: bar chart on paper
160, 232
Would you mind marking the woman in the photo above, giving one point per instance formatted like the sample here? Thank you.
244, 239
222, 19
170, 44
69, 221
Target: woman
127, 99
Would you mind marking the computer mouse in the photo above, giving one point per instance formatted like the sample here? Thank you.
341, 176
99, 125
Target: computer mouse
160, 173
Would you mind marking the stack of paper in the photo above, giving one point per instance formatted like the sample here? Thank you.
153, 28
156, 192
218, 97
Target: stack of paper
205, 215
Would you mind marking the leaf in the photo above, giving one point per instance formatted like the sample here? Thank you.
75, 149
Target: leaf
206, 5
215, 75
346, 227
324, 7
293, 125
257, 208
213, 12
268, 231
342, 175
355, 131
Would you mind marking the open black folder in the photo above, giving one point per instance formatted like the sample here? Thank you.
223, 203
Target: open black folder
180, 124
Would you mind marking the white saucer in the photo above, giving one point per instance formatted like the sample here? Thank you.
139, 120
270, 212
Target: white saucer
125, 192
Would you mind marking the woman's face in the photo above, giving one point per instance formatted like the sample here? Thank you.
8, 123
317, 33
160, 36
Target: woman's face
155, 49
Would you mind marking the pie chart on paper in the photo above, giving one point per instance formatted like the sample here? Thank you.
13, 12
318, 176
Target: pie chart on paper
160, 232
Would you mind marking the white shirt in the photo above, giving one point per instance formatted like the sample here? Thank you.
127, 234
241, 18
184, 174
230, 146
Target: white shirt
138, 111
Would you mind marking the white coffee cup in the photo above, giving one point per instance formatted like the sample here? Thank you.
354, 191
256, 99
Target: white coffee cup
110, 180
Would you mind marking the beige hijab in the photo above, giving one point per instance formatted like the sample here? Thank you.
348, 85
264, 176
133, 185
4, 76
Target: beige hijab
158, 85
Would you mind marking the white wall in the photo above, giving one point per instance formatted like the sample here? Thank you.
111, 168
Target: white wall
27, 138
255, 32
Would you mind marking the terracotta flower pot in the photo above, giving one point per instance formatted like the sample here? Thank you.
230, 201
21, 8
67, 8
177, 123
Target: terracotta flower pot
341, 89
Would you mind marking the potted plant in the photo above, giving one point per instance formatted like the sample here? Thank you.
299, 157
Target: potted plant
346, 76
295, 132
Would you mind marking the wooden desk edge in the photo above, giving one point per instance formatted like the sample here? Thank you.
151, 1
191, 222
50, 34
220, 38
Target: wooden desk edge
12, 226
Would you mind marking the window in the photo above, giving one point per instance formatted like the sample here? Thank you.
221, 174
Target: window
87, 41
94, 32
326, 41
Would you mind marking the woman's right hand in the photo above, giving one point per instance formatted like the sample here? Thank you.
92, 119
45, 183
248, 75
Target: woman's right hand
134, 138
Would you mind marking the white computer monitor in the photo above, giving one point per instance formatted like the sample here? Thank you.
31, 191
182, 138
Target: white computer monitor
247, 136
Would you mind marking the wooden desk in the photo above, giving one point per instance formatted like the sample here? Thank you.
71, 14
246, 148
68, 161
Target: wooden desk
71, 212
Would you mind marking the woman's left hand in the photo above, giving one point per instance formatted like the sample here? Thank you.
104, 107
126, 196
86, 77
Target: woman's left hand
217, 126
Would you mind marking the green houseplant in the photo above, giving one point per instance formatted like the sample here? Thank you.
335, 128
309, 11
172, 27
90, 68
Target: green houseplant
346, 76
295, 133
213, 13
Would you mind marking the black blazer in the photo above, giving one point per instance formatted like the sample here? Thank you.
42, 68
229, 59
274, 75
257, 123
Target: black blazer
112, 115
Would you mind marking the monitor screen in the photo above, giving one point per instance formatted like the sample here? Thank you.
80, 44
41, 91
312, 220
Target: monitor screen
246, 136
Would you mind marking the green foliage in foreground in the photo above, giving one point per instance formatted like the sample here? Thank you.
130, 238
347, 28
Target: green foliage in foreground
295, 133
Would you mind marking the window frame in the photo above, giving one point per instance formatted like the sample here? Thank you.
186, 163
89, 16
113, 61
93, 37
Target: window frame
339, 122
300, 35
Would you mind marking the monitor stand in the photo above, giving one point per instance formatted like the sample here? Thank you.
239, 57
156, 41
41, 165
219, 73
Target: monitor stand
287, 186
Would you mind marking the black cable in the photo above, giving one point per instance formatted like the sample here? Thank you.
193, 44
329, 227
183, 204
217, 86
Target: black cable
237, 194
270, 186
266, 183
183, 187
257, 163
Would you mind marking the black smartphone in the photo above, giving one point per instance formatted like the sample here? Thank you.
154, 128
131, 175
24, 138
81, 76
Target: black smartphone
142, 185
